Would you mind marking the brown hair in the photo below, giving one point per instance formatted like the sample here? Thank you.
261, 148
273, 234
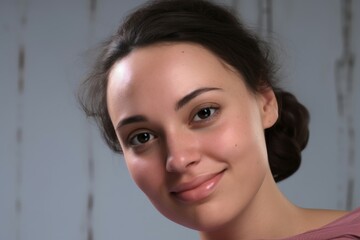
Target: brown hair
215, 28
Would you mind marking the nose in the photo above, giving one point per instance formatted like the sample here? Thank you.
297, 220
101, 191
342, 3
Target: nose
182, 151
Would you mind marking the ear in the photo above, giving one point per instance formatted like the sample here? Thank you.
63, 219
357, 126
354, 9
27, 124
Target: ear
268, 107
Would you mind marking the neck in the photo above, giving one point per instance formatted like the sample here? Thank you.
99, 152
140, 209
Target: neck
264, 217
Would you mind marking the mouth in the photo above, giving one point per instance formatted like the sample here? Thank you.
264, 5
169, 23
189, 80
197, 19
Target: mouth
198, 189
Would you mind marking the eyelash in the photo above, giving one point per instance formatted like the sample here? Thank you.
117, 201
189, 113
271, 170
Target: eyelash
134, 137
211, 112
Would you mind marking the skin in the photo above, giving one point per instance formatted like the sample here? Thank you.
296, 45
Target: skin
183, 116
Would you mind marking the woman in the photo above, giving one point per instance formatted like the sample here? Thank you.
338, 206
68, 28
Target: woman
188, 95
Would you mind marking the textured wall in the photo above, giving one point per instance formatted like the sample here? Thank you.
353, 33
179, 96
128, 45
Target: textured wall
59, 181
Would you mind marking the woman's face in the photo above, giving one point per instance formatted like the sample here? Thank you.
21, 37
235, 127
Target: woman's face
191, 132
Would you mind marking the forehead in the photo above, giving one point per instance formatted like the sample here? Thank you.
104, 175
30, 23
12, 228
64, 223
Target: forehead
178, 62
165, 72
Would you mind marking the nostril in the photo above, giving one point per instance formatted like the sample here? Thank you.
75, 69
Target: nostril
193, 163
182, 151
181, 163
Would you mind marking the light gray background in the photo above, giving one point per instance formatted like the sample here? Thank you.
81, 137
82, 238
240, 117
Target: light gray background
53, 161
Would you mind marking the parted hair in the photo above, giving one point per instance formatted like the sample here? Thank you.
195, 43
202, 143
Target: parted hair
218, 30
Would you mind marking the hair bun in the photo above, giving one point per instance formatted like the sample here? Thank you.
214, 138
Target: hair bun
288, 137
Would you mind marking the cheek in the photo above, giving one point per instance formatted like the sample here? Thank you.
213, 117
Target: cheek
146, 173
238, 140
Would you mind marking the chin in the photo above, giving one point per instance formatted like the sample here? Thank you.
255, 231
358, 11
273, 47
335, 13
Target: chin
208, 226
205, 217
207, 223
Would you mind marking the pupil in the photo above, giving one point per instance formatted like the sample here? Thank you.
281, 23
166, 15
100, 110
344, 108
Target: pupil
144, 137
204, 113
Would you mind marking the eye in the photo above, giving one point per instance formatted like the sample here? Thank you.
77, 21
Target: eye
141, 138
204, 113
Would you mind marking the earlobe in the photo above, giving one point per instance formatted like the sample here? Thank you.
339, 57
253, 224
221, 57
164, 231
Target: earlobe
268, 107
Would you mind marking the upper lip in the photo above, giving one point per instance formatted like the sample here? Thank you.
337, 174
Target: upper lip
193, 183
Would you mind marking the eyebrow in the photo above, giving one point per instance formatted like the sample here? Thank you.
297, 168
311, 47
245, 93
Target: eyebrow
132, 119
182, 102
187, 98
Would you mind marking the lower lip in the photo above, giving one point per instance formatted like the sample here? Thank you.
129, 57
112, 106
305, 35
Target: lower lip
201, 192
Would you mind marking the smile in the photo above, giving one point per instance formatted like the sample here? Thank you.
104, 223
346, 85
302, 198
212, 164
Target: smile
198, 189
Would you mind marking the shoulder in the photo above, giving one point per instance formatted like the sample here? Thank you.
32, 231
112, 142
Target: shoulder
348, 219
332, 224
322, 217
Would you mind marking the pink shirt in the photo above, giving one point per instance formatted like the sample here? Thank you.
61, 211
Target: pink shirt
346, 227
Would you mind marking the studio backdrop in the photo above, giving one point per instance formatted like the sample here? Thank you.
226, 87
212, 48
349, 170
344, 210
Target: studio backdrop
58, 180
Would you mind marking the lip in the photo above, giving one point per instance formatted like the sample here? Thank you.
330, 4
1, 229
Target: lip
197, 189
